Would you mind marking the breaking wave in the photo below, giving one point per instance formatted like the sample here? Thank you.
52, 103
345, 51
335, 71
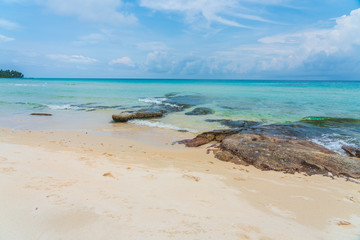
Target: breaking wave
160, 125
334, 142
158, 101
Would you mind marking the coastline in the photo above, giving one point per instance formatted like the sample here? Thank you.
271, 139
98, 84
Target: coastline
76, 184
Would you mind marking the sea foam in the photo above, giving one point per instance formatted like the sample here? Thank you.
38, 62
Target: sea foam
160, 125
334, 142
159, 101
63, 107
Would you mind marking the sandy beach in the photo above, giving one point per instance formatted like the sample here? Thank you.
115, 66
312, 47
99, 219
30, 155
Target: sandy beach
82, 185
179, 120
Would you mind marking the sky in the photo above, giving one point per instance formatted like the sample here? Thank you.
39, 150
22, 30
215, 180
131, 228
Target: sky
191, 39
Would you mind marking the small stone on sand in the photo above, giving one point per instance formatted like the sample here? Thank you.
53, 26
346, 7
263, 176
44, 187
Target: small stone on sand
108, 174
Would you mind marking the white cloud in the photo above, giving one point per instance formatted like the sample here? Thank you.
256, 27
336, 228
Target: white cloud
298, 46
104, 11
5, 38
227, 12
159, 62
322, 52
294, 51
8, 24
122, 61
72, 58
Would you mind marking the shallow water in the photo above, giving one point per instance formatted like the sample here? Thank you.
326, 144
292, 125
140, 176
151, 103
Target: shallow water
92, 101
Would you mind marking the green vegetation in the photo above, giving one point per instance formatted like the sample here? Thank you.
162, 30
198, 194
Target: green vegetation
10, 74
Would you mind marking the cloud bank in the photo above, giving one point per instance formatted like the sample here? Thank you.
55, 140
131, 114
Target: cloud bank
310, 51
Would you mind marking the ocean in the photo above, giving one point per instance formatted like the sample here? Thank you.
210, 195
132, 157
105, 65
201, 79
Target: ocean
326, 112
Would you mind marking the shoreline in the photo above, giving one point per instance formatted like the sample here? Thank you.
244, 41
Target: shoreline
74, 184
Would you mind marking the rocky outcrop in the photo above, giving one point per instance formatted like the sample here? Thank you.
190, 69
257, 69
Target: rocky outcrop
129, 115
352, 151
287, 155
200, 111
206, 137
277, 153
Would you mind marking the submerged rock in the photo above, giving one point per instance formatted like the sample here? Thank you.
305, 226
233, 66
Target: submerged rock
352, 151
235, 108
191, 100
129, 115
200, 111
234, 123
287, 155
330, 122
296, 130
41, 114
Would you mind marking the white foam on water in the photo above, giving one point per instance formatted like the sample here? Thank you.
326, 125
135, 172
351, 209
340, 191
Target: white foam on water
159, 101
333, 142
153, 100
63, 107
159, 125
28, 85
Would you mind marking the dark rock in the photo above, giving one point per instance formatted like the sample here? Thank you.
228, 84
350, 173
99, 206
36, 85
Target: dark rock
200, 111
352, 151
172, 94
129, 115
288, 155
183, 130
41, 114
294, 130
235, 108
206, 137
234, 123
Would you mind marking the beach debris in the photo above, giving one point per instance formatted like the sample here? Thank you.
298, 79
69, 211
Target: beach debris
343, 223
200, 111
41, 114
130, 115
286, 155
108, 174
191, 177
352, 151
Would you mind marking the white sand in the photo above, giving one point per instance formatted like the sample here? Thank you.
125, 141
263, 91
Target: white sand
71, 185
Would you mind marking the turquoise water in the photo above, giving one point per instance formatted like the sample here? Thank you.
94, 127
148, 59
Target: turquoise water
264, 101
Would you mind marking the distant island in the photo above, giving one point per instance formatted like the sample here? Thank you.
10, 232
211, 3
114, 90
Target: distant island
10, 74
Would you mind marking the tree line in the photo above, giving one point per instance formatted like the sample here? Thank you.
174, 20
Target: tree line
10, 74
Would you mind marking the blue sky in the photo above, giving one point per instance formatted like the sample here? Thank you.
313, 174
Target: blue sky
244, 39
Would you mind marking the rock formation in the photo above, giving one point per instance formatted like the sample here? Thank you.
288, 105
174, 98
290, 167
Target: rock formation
277, 153
129, 115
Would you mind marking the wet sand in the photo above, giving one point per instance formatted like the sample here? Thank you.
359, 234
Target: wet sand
134, 184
